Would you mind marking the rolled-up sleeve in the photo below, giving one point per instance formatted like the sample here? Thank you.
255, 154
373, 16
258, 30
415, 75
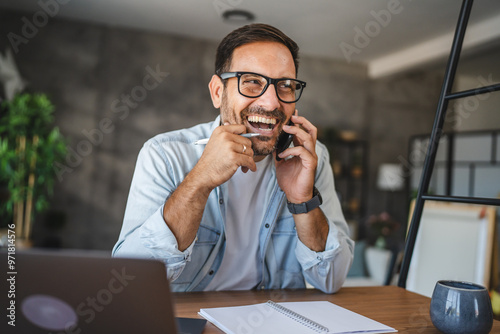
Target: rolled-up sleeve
144, 232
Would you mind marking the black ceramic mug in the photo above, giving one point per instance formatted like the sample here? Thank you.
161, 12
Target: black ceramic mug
461, 307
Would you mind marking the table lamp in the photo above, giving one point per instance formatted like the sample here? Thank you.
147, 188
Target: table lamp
390, 179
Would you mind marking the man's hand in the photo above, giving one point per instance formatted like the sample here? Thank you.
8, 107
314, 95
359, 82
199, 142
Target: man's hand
296, 175
224, 153
296, 178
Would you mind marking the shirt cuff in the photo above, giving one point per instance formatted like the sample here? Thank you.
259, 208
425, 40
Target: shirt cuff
159, 239
309, 258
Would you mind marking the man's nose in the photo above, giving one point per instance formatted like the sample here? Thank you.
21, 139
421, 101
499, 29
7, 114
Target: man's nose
269, 100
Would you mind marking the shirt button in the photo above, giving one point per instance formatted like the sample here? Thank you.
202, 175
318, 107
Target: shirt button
221, 201
267, 225
319, 258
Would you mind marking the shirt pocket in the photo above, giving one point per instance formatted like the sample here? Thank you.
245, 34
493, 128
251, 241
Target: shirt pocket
284, 238
207, 238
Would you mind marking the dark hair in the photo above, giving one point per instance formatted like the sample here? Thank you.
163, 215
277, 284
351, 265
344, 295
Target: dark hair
256, 32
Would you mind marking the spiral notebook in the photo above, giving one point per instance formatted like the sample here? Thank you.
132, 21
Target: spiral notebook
291, 318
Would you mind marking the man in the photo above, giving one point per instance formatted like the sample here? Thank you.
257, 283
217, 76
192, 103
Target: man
219, 215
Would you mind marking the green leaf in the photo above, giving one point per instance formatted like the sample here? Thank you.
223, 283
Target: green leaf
29, 115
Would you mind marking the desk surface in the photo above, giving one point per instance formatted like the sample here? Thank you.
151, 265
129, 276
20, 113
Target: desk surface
393, 306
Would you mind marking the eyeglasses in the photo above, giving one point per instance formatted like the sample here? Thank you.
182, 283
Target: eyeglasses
254, 85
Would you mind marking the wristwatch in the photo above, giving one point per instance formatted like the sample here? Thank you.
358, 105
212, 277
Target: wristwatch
305, 207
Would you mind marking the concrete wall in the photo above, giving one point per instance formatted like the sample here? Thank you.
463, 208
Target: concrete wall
109, 103
398, 108
475, 112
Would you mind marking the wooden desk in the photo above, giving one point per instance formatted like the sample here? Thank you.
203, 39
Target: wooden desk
393, 306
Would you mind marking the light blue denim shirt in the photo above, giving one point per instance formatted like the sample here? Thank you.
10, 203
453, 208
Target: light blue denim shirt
163, 163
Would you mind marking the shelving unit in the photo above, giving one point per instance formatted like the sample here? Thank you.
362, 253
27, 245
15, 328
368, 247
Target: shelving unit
350, 166
432, 148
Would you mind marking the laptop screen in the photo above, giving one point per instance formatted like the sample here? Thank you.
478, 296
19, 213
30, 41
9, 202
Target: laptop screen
60, 292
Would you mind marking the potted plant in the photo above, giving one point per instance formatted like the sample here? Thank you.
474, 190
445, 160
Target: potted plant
381, 229
29, 146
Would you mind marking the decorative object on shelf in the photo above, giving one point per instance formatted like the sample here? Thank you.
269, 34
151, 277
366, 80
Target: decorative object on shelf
381, 228
29, 145
357, 166
348, 135
337, 167
354, 204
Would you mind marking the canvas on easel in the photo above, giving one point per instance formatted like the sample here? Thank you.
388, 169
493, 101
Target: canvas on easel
455, 241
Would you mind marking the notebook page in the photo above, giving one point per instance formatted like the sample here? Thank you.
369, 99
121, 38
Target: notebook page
262, 319
252, 319
337, 319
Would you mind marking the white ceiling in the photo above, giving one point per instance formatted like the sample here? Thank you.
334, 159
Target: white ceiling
417, 33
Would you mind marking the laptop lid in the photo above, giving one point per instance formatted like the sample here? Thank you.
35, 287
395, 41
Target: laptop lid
58, 292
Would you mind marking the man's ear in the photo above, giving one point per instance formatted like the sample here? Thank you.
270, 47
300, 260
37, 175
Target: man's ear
216, 87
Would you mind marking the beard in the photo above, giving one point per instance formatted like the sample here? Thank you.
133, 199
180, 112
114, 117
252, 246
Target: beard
261, 145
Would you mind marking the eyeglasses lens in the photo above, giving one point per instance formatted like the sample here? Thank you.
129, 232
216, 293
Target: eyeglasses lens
252, 85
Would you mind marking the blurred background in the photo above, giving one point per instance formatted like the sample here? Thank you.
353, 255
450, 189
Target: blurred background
120, 72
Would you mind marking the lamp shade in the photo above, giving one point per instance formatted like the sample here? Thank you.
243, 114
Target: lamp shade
390, 177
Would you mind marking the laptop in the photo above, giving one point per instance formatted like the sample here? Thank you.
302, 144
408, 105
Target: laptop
62, 292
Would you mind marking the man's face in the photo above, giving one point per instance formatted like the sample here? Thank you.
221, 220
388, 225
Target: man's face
265, 114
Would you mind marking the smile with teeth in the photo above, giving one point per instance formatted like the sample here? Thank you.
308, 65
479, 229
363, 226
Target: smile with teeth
262, 123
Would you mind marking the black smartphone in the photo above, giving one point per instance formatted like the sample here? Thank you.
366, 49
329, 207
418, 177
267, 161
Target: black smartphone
284, 140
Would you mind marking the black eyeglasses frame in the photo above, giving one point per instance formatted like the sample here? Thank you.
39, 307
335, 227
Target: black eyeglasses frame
270, 81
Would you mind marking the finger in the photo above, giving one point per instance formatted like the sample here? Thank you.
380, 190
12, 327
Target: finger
301, 137
308, 128
306, 125
245, 145
308, 159
237, 159
244, 148
248, 164
230, 128
243, 154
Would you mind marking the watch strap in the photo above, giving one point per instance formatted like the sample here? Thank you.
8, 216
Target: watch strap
308, 206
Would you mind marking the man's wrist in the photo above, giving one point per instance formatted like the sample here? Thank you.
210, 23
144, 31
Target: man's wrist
199, 182
307, 206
